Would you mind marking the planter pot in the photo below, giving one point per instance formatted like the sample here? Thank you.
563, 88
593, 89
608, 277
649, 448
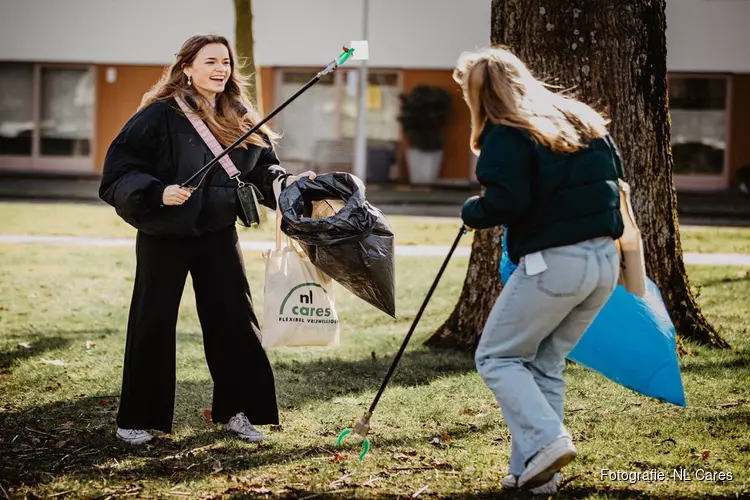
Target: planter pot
424, 166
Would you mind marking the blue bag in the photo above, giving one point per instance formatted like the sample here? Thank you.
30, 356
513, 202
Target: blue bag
631, 341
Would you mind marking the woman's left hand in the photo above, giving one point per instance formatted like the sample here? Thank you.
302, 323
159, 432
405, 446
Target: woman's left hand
312, 175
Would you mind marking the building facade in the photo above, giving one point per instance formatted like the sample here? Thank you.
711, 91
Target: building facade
72, 73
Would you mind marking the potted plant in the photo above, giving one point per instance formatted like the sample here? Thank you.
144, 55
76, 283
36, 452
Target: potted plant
424, 113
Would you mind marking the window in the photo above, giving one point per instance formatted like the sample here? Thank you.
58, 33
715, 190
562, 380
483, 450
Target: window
46, 117
16, 109
320, 126
698, 108
67, 112
383, 106
310, 118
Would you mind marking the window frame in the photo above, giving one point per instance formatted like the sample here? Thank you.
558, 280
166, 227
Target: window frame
36, 162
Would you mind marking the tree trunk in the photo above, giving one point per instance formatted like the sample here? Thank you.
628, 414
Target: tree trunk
245, 48
612, 53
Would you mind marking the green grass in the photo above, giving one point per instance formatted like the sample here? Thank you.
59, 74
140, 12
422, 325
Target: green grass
99, 220
437, 425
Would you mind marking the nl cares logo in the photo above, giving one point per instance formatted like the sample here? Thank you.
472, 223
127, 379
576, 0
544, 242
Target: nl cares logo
299, 306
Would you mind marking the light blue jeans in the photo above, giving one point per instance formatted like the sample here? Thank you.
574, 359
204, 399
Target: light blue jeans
535, 323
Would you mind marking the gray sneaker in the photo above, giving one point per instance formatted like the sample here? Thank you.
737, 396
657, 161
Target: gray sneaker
547, 463
240, 425
134, 436
510, 482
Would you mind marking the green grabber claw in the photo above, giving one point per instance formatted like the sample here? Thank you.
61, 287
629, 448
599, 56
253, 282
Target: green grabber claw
362, 428
342, 436
333, 65
345, 55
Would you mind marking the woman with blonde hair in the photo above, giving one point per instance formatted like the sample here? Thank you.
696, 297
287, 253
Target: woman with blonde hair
550, 175
183, 231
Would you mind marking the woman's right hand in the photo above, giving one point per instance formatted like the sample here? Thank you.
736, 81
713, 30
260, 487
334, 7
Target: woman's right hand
175, 195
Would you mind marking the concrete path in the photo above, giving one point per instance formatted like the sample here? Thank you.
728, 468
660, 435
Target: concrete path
707, 259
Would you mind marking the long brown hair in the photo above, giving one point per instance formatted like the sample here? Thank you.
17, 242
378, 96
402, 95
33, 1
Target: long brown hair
498, 87
234, 113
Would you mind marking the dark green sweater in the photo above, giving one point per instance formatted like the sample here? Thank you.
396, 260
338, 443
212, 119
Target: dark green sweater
545, 199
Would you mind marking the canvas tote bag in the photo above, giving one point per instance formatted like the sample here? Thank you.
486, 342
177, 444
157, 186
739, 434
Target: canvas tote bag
299, 307
630, 246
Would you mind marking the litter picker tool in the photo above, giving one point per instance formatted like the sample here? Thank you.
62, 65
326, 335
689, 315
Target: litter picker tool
362, 427
357, 50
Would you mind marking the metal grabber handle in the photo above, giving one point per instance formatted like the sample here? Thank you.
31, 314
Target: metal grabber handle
363, 426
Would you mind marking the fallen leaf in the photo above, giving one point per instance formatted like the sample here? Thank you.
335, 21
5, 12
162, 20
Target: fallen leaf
5, 378
731, 404
55, 362
439, 464
25, 345
258, 489
207, 416
703, 455
104, 402
445, 438
435, 441
60, 444
67, 425
338, 457
401, 457
90, 345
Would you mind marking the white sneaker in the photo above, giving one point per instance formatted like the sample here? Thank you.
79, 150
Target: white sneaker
244, 429
547, 463
510, 482
134, 436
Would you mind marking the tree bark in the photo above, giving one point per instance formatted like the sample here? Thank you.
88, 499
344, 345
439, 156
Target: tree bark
612, 54
245, 48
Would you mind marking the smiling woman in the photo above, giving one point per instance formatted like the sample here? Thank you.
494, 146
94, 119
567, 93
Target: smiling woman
183, 231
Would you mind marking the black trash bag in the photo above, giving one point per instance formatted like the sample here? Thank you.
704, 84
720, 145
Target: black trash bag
354, 246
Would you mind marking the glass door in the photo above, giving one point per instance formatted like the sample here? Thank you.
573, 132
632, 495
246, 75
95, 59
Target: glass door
47, 116
698, 107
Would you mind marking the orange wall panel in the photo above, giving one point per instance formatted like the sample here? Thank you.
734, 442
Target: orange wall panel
118, 101
267, 88
739, 128
456, 161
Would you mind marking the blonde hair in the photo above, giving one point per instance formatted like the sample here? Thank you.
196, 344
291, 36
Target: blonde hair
234, 113
498, 87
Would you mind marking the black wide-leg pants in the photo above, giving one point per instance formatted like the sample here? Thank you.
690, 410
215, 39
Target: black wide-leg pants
241, 372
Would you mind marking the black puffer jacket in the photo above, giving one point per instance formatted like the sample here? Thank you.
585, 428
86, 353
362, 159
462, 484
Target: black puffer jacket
157, 147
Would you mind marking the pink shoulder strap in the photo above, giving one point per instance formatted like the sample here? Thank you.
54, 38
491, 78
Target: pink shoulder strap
209, 139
